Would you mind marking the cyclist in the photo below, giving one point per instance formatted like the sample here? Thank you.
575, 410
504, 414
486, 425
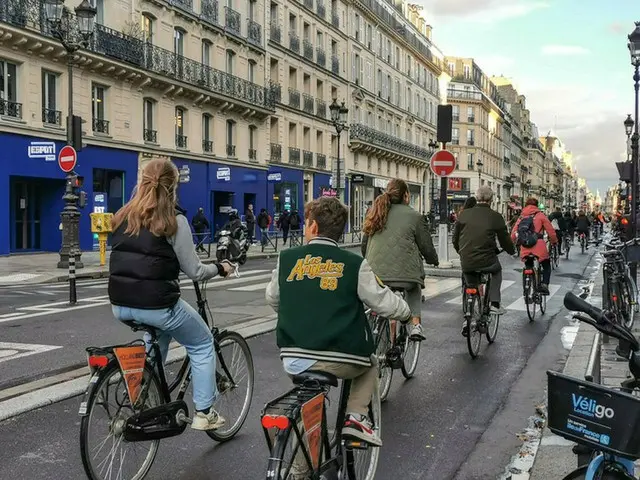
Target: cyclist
583, 225
536, 224
396, 237
474, 238
151, 243
570, 224
318, 291
559, 225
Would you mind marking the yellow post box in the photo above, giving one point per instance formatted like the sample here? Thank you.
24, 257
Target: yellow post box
101, 224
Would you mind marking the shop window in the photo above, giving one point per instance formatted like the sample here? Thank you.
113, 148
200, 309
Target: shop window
285, 197
110, 183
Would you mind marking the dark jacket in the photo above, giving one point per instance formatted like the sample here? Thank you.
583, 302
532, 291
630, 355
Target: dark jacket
568, 220
560, 219
474, 238
263, 220
395, 253
143, 271
284, 221
583, 224
200, 223
250, 218
294, 221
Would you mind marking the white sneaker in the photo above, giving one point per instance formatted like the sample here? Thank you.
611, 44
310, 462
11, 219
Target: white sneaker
498, 310
417, 333
210, 421
360, 427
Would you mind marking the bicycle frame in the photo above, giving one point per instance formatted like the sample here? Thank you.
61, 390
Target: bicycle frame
602, 459
481, 293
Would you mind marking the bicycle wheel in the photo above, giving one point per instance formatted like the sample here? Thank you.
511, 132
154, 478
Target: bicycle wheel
232, 403
567, 248
117, 452
492, 327
528, 297
410, 355
383, 345
543, 304
366, 461
582, 244
580, 474
474, 337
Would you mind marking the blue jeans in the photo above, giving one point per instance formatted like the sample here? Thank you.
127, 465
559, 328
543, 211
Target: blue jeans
184, 324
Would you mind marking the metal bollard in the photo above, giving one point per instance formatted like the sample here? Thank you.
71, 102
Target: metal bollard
73, 297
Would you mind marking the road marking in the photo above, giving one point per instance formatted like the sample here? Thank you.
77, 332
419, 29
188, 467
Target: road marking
52, 308
505, 284
234, 281
521, 306
41, 292
12, 351
433, 289
17, 278
22, 292
251, 288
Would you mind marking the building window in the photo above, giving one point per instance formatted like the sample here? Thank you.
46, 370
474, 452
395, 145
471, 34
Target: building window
8, 90
253, 139
50, 113
231, 137
178, 42
206, 53
252, 71
99, 6
207, 123
456, 113
455, 136
470, 137
98, 97
149, 133
181, 138
471, 114
470, 163
230, 61
252, 9
147, 27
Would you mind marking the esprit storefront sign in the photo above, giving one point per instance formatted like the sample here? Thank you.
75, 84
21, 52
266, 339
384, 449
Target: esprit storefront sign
223, 174
45, 150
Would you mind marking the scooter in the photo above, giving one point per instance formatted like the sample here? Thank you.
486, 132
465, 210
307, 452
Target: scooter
232, 249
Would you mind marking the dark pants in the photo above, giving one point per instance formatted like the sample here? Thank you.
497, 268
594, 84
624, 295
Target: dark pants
560, 235
472, 279
546, 269
251, 229
285, 234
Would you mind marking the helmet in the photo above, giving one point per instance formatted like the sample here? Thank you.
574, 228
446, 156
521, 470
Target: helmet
233, 214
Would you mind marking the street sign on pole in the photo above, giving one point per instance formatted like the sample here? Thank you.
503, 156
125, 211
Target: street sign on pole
334, 173
443, 163
67, 158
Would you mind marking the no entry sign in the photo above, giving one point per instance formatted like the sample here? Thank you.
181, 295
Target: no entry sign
67, 158
443, 163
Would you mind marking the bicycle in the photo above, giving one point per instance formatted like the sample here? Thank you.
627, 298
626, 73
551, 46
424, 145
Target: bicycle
583, 241
554, 254
603, 421
531, 276
402, 353
478, 314
296, 422
567, 241
143, 412
619, 291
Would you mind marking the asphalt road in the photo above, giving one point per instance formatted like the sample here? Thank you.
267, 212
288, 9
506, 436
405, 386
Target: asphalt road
458, 418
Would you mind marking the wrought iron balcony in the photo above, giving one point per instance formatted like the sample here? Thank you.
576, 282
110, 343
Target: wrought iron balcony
321, 161
507, 160
294, 42
207, 146
253, 155
320, 10
181, 141
209, 11
335, 19
471, 119
307, 103
10, 109
276, 153
275, 33
471, 142
321, 108
335, 64
100, 125
150, 135
51, 117
232, 20
308, 4
294, 156
231, 150
455, 141
186, 5
453, 93
321, 57
294, 98
307, 158
254, 32
307, 50
455, 118
275, 90
359, 133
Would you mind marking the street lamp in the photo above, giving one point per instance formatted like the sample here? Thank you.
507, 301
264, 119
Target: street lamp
634, 50
72, 40
339, 119
479, 165
628, 129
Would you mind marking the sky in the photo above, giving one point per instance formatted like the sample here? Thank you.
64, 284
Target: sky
568, 57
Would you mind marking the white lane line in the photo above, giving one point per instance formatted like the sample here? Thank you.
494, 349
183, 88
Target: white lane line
53, 308
234, 281
13, 351
442, 286
521, 306
505, 284
22, 292
41, 292
251, 288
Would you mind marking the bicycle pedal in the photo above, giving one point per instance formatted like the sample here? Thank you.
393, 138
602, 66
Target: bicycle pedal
355, 444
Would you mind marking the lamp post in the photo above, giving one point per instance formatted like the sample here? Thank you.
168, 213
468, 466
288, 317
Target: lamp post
479, 165
73, 37
339, 119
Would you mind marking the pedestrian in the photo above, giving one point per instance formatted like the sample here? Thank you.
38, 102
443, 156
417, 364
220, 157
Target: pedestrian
264, 220
295, 224
250, 220
284, 223
200, 226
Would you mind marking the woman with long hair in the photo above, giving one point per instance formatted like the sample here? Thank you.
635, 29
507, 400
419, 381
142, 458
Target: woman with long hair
151, 243
395, 240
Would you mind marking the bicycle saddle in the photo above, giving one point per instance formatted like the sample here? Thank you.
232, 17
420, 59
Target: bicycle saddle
321, 377
137, 327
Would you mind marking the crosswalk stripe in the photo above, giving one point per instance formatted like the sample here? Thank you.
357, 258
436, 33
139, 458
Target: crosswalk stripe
521, 306
234, 281
433, 289
251, 288
505, 284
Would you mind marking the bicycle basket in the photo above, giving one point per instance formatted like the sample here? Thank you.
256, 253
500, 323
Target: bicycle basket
590, 414
631, 253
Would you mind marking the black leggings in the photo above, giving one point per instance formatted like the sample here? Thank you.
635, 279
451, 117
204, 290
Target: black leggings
546, 269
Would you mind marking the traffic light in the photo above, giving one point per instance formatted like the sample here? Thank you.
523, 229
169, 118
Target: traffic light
74, 125
82, 199
626, 232
76, 181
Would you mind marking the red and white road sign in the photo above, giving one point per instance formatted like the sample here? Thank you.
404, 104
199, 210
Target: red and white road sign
443, 163
67, 158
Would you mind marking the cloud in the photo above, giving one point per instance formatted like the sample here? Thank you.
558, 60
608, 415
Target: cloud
482, 11
616, 27
564, 50
495, 64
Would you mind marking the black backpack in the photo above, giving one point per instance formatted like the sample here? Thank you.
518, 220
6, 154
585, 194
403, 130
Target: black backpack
527, 236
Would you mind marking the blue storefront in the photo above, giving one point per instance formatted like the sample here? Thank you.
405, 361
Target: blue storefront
285, 190
32, 185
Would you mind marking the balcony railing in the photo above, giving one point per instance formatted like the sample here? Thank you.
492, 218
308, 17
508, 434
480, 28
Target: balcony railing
275, 33
307, 158
321, 108
471, 119
232, 20
307, 103
10, 109
209, 11
181, 141
253, 155
321, 57
308, 4
276, 153
507, 160
307, 49
294, 156
207, 146
294, 98
150, 136
51, 117
463, 94
455, 141
254, 32
335, 19
186, 5
471, 142
100, 126
320, 10
321, 161
231, 150
364, 134
294, 42
335, 64
275, 90
455, 118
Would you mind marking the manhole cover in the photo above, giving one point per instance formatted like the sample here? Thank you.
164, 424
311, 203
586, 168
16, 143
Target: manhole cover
575, 276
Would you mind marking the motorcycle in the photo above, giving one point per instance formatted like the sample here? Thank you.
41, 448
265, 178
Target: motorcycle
231, 248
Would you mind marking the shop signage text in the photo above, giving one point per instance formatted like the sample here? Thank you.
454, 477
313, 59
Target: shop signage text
455, 184
46, 150
357, 178
274, 177
380, 182
224, 174
328, 192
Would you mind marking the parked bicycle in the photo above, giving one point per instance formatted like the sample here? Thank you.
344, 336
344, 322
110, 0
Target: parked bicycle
394, 349
140, 411
297, 433
602, 419
531, 279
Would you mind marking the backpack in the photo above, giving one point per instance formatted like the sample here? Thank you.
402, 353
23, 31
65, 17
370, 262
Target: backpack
527, 236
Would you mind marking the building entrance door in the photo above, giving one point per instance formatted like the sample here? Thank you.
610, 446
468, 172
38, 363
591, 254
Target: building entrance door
25, 206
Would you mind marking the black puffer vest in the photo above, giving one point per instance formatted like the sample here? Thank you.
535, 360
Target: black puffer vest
143, 271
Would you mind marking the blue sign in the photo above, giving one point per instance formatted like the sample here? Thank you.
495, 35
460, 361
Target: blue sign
99, 206
274, 177
46, 150
223, 174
